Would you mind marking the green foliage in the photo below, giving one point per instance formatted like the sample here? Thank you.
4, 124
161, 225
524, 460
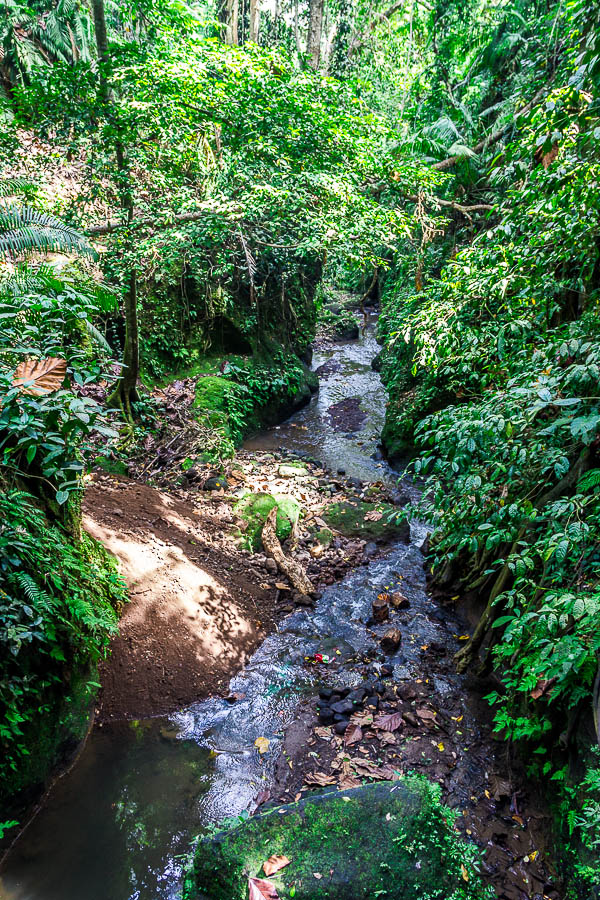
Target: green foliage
58, 603
47, 437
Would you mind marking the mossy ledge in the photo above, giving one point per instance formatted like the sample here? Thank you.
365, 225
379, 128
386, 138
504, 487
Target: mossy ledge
393, 840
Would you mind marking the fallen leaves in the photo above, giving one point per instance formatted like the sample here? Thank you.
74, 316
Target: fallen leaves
259, 889
390, 722
319, 778
426, 715
275, 864
352, 734
262, 744
373, 516
40, 376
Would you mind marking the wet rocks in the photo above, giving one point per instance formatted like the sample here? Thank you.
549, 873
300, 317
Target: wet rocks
381, 609
391, 641
215, 483
399, 601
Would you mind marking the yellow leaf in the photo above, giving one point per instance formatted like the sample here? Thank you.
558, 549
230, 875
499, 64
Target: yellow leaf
441, 747
465, 874
261, 744
464, 637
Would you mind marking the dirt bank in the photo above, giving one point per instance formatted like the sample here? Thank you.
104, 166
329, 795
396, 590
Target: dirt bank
200, 603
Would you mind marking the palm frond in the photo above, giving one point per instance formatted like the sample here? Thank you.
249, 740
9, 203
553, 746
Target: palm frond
23, 228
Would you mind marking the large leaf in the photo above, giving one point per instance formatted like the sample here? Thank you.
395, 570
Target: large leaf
40, 376
259, 889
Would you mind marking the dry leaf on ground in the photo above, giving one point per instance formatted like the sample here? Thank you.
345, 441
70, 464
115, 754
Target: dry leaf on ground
388, 722
319, 778
352, 734
259, 889
262, 744
274, 864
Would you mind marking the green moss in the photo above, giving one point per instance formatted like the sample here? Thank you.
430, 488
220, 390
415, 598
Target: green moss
293, 470
390, 840
254, 509
325, 537
114, 466
349, 518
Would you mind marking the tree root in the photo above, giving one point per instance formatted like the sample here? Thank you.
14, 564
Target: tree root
293, 570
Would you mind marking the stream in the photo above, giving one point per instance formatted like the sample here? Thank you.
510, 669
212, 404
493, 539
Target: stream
118, 826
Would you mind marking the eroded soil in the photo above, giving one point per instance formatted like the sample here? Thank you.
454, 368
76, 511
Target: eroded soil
199, 602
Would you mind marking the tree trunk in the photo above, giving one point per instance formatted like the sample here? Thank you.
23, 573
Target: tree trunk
315, 27
125, 390
254, 21
231, 23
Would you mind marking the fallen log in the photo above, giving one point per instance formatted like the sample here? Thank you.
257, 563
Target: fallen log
293, 570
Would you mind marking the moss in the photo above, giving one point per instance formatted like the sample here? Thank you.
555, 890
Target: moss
325, 537
293, 470
349, 518
254, 509
392, 840
113, 466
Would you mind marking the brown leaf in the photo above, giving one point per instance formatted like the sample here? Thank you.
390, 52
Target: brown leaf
543, 688
274, 864
259, 889
368, 769
427, 715
319, 778
324, 733
373, 516
352, 734
361, 718
385, 737
388, 722
349, 782
40, 376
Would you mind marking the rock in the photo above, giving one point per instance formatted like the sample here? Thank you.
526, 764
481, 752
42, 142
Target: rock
391, 640
399, 601
371, 549
254, 509
325, 716
386, 671
215, 483
381, 609
271, 566
292, 470
341, 471
343, 708
325, 693
372, 701
341, 834
325, 537
357, 696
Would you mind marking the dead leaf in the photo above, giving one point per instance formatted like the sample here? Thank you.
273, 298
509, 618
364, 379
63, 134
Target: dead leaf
274, 864
368, 769
543, 688
319, 778
317, 875
361, 718
352, 734
373, 516
349, 782
282, 586
388, 722
259, 889
324, 733
427, 715
262, 744
40, 376
385, 737
465, 874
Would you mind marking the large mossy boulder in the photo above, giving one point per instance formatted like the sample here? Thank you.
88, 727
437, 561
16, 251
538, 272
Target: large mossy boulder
390, 840
370, 521
254, 509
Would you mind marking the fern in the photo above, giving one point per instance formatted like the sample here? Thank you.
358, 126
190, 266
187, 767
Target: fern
23, 228
589, 481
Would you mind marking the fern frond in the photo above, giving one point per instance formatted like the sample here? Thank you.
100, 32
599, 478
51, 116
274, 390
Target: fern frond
11, 186
23, 228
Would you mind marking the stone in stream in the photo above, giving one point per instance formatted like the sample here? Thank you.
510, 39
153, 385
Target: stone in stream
399, 601
391, 640
381, 609
391, 839
216, 483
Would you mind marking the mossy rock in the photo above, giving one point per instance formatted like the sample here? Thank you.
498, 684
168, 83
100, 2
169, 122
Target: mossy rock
113, 466
254, 509
293, 470
389, 840
325, 537
349, 518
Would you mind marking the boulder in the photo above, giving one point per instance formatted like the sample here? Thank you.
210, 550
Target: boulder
393, 840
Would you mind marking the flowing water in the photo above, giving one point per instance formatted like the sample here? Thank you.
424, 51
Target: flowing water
118, 825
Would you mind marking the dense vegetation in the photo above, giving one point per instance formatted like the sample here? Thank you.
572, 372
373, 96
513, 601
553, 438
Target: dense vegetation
211, 178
